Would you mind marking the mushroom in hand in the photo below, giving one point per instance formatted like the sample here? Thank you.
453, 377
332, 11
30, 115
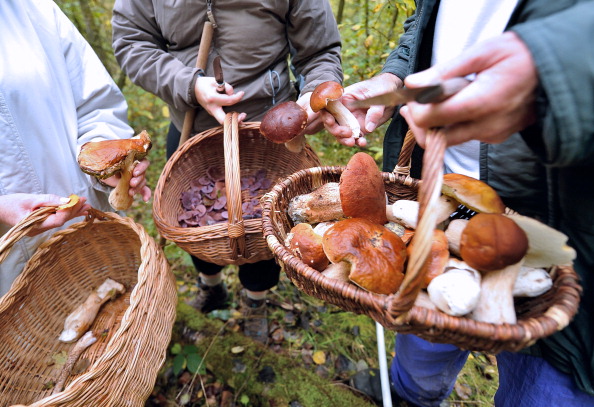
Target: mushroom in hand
494, 245
327, 96
284, 123
375, 254
105, 158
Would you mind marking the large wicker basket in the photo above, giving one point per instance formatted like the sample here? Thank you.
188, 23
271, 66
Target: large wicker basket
537, 317
133, 330
243, 151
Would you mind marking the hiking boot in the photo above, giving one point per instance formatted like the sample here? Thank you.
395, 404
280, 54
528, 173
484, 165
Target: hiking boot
209, 298
368, 382
255, 318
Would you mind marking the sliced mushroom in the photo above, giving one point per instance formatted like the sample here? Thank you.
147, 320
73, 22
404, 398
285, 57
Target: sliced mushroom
83, 316
327, 96
105, 158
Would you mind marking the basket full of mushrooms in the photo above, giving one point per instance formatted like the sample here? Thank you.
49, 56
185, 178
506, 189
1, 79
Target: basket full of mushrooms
442, 258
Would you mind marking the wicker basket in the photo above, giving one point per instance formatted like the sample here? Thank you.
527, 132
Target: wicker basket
537, 317
243, 150
133, 330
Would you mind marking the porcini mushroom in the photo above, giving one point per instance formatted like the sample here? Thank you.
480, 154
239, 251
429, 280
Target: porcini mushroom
284, 123
494, 245
320, 205
83, 316
362, 190
456, 292
103, 159
438, 258
306, 244
375, 254
547, 247
406, 212
327, 96
472, 193
532, 282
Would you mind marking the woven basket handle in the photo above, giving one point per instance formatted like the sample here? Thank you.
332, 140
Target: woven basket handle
25, 225
235, 226
429, 193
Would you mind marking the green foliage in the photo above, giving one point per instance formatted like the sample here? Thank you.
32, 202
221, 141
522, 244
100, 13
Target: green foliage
187, 357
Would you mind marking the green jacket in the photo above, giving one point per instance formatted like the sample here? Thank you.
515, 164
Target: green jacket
546, 171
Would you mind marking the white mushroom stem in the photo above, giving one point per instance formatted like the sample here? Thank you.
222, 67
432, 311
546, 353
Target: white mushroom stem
83, 343
119, 198
456, 292
496, 302
338, 271
406, 212
295, 145
424, 301
344, 117
83, 316
453, 234
532, 282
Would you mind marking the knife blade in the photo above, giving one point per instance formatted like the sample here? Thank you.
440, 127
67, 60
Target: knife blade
426, 94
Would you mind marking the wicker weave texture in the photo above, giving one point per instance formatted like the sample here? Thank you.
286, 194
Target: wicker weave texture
133, 330
537, 317
237, 241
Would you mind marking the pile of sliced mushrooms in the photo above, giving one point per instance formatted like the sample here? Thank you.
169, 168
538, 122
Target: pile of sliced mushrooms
347, 231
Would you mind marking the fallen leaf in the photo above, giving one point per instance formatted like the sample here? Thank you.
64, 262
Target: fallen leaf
237, 349
319, 357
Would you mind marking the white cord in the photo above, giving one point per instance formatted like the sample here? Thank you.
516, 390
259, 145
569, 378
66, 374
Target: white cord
383, 365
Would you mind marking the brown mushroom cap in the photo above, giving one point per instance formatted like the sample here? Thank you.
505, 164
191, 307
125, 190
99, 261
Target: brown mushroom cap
492, 241
324, 92
283, 122
362, 189
306, 244
438, 256
473, 193
375, 253
104, 158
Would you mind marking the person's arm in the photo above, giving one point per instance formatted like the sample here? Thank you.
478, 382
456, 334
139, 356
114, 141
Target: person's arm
14, 207
561, 47
393, 72
100, 106
314, 37
141, 51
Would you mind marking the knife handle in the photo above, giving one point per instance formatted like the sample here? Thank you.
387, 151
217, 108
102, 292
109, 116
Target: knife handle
446, 88
218, 74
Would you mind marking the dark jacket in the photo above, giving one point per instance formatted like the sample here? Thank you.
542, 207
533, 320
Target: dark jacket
156, 43
546, 171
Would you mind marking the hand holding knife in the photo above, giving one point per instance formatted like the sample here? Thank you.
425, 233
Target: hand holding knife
426, 94
218, 74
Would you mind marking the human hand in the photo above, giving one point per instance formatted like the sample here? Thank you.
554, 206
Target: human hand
138, 183
499, 102
213, 101
369, 118
14, 207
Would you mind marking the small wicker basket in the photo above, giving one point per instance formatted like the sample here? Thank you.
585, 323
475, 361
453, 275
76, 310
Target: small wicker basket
537, 317
243, 150
133, 330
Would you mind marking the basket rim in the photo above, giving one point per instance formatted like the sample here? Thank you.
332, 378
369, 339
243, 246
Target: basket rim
525, 331
152, 261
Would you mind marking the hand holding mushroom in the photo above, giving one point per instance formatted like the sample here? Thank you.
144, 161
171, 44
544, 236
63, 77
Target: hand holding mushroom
118, 163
